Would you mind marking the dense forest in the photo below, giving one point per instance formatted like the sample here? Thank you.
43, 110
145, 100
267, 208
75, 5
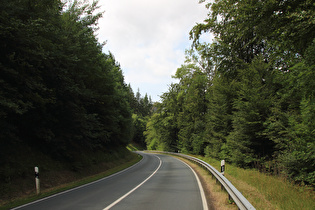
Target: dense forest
249, 95
60, 95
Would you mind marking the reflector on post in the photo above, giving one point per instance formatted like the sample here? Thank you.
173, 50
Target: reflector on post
222, 167
37, 183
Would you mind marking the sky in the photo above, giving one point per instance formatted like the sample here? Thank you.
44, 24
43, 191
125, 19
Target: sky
149, 38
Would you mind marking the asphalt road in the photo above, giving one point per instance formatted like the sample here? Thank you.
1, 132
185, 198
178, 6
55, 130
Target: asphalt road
156, 182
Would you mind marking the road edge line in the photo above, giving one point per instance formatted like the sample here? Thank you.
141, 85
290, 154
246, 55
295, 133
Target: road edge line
202, 192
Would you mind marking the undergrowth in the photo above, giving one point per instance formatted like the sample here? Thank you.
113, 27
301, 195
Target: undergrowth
60, 177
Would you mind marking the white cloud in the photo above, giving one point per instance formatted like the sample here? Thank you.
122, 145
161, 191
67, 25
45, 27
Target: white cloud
149, 38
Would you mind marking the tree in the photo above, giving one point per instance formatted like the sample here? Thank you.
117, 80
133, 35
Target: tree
25, 60
192, 83
221, 96
251, 110
291, 124
257, 40
161, 130
59, 92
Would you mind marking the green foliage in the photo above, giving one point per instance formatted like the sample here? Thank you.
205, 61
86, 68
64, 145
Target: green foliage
219, 114
139, 124
151, 136
292, 126
142, 110
248, 97
251, 109
161, 130
59, 93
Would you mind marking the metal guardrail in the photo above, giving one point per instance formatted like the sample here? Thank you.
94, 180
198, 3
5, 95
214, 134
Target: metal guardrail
238, 198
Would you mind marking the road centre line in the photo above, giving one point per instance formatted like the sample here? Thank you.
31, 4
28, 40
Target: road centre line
131, 191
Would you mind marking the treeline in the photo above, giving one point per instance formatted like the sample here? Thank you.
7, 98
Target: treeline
142, 110
59, 93
248, 97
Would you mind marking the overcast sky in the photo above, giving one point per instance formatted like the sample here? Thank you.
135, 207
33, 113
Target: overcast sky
148, 38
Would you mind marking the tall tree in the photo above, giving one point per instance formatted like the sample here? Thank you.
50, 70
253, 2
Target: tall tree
193, 84
251, 109
59, 92
162, 130
279, 34
221, 95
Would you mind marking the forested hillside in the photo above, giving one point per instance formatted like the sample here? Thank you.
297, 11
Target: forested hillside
61, 98
249, 96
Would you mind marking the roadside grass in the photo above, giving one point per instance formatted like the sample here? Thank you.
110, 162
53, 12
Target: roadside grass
216, 197
133, 146
264, 191
115, 167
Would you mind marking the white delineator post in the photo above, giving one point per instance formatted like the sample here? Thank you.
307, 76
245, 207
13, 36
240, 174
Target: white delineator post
37, 180
222, 167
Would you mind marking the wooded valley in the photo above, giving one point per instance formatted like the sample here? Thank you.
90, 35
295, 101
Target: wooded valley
247, 97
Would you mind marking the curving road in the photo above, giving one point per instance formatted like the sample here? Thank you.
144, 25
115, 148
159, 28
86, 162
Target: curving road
156, 182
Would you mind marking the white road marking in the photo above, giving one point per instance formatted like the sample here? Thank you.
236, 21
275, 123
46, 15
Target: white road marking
131, 191
79, 187
202, 192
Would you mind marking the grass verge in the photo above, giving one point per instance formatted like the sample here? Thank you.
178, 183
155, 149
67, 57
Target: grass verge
264, 191
116, 167
217, 199
133, 146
